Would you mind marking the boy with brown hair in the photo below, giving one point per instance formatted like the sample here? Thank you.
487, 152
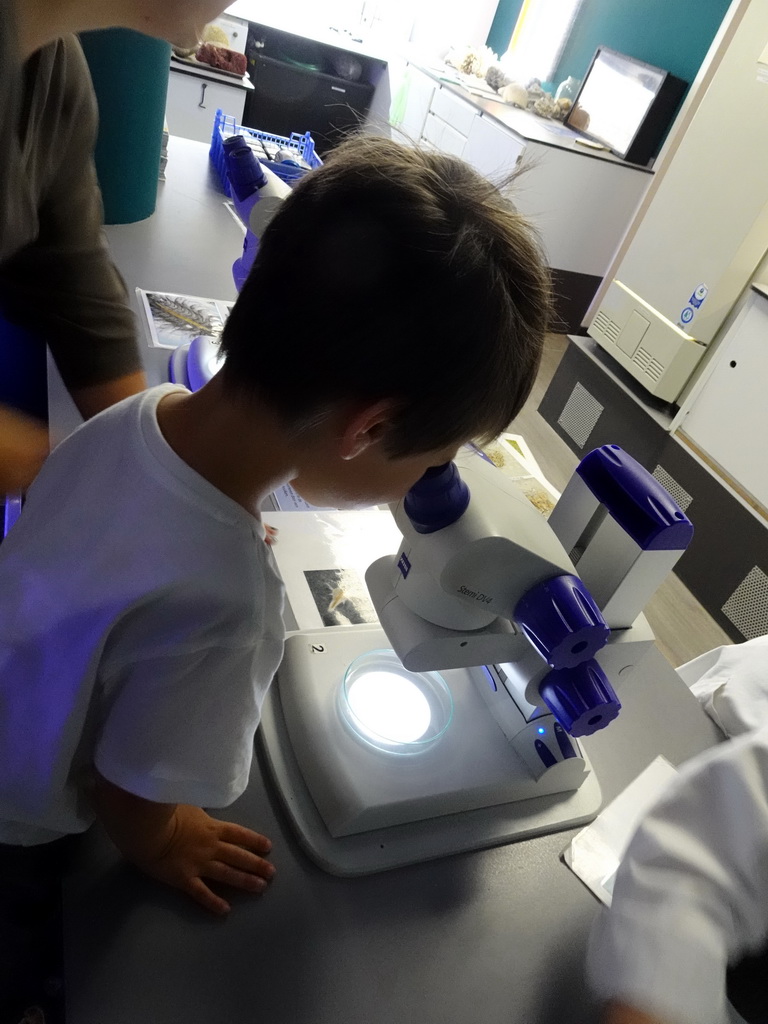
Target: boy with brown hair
396, 309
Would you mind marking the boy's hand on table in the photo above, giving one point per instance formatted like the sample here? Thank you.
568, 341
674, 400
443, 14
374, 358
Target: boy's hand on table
199, 848
183, 846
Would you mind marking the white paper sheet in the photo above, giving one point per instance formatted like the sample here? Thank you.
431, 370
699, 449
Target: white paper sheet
596, 852
322, 557
288, 500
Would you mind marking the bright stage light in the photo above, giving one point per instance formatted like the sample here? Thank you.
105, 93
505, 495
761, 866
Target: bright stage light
390, 705
391, 708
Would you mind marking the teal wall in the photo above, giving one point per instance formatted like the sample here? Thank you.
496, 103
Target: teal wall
672, 34
501, 30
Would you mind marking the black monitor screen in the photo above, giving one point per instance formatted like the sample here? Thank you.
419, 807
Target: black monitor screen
615, 98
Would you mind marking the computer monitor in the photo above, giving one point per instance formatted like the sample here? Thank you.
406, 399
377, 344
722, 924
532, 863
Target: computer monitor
626, 105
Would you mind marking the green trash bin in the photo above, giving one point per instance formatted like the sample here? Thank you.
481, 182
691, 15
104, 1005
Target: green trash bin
130, 77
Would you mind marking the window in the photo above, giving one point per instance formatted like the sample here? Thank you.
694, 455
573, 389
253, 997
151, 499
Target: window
539, 38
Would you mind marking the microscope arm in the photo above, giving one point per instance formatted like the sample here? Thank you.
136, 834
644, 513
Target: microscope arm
482, 579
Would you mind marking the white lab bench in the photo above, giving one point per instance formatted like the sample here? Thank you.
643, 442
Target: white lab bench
497, 935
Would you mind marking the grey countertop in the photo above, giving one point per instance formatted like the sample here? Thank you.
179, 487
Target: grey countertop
497, 935
200, 70
524, 123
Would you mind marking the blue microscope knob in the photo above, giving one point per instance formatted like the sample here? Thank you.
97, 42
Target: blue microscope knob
581, 698
637, 501
561, 620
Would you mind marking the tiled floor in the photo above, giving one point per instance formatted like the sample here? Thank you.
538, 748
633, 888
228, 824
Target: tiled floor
683, 628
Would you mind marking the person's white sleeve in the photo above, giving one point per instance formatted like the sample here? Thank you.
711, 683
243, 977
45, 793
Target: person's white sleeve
179, 727
731, 684
691, 895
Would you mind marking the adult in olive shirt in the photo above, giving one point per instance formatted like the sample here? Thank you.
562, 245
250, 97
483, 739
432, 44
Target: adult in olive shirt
56, 276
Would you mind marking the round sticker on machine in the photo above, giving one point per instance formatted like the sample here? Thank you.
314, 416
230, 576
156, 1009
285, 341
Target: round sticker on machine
687, 315
698, 296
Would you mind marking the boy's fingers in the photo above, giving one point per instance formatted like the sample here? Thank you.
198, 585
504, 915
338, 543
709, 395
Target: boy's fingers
270, 534
244, 860
246, 837
219, 872
199, 891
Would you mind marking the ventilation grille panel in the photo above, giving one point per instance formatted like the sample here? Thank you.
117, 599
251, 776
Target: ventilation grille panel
747, 607
580, 415
607, 327
650, 366
677, 491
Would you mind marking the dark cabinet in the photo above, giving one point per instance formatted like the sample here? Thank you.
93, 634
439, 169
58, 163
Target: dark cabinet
290, 98
303, 85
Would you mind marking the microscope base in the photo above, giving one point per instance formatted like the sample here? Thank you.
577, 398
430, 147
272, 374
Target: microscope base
469, 792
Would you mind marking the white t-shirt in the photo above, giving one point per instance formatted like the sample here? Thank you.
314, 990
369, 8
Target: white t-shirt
140, 627
691, 895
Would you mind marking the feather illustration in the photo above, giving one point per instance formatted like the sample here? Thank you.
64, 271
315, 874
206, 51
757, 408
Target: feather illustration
183, 316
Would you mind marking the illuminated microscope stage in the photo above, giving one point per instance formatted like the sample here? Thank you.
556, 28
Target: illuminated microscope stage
358, 808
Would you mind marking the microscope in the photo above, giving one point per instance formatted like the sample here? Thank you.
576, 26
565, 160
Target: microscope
257, 193
459, 721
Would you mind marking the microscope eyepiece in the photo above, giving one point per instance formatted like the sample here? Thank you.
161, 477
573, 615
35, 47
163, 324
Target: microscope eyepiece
437, 500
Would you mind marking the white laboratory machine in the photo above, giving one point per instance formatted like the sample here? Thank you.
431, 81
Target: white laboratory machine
702, 229
457, 722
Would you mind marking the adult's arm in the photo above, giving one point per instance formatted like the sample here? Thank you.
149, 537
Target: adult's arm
691, 895
92, 398
64, 284
23, 448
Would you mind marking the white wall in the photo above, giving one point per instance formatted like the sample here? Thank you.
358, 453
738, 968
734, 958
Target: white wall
440, 24
433, 25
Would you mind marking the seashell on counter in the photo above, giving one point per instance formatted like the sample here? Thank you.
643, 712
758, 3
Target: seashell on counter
515, 94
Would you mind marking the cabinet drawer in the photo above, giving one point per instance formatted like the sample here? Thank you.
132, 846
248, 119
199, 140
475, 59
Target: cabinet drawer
443, 136
458, 113
192, 103
492, 150
420, 89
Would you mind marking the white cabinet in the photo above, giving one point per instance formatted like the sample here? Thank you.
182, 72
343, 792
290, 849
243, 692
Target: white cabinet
492, 150
443, 136
448, 122
727, 415
419, 89
193, 101
236, 31
580, 205
454, 110
434, 115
